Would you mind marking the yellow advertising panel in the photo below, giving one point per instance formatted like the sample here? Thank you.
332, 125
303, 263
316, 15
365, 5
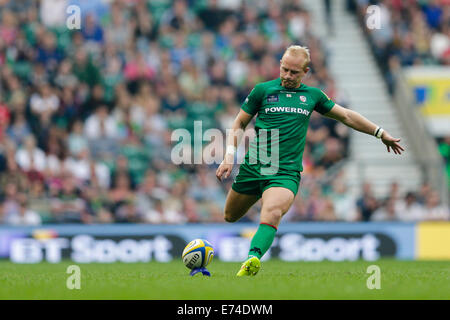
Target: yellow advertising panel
430, 88
433, 241
432, 94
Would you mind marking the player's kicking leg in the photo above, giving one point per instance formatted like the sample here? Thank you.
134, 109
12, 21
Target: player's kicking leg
276, 201
237, 205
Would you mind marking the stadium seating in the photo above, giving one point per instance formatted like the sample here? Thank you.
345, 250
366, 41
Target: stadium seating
86, 116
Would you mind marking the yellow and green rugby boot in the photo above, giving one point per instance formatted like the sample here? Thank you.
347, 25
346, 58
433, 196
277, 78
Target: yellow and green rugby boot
250, 267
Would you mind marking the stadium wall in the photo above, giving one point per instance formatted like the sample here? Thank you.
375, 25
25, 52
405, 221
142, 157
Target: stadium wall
294, 242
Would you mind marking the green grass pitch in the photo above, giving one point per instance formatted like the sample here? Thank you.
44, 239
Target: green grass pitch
276, 280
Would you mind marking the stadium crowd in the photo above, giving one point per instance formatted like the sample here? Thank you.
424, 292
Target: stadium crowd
414, 33
86, 116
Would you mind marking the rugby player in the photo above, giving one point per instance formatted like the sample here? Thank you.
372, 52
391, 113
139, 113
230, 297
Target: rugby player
282, 107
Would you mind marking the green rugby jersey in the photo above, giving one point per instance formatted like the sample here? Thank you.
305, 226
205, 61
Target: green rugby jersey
281, 124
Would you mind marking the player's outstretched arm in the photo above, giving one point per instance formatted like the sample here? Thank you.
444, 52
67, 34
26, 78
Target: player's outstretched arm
233, 139
358, 122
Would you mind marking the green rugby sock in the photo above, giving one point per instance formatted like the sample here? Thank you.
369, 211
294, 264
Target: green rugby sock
262, 240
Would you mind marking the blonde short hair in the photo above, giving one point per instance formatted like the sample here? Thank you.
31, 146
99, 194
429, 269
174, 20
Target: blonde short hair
296, 50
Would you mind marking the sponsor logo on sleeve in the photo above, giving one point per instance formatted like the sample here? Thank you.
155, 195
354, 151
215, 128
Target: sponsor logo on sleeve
272, 98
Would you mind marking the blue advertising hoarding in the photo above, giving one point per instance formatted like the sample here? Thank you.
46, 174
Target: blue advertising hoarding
143, 243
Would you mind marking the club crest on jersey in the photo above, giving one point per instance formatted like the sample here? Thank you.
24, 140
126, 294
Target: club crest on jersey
272, 98
302, 98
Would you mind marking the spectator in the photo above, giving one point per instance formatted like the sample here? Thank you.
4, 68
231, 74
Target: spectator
433, 13
65, 77
434, 210
190, 210
386, 212
29, 156
121, 166
127, 213
319, 207
19, 129
92, 31
38, 200
156, 215
96, 100
67, 206
344, 202
76, 140
173, 204
8, 27
47, 53
101, 125
122, 200
84, 169
10, 203
367, 203
213, 16
205, 188
84, 68
24, 216
118, 32
97, 203
53, 12
424, 192
13, 173
5, 118
44, 103
137, 68
409, 209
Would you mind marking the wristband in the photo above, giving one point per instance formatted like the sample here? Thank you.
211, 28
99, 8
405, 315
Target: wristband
231, 150
378, 132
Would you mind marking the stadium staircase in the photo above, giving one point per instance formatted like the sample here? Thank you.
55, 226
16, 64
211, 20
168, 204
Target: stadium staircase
354, 68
